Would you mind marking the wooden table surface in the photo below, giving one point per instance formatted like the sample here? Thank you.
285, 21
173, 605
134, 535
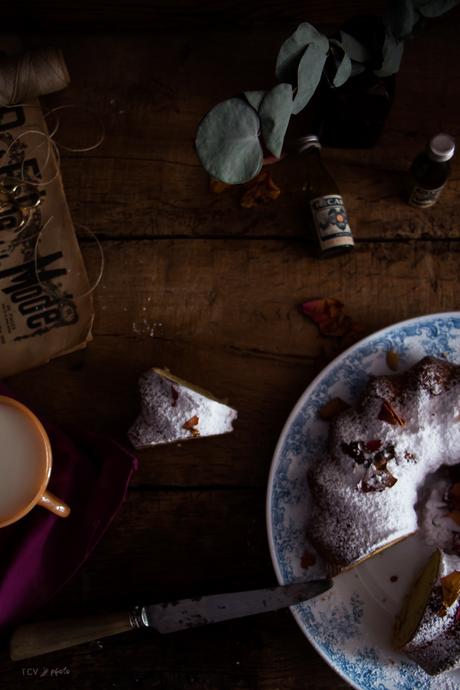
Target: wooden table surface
198, 284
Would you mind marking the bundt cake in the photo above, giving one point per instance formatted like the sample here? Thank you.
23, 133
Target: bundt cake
365, 487
379, 462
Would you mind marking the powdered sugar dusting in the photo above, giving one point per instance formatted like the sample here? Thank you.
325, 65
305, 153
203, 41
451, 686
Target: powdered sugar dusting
438, 528
436, 644
173, 411
350, 522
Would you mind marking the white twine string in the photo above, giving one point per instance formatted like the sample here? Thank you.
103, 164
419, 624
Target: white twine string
100, 124
46, 287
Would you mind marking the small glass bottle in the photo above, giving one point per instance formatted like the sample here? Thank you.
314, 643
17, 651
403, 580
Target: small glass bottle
430, 170
327, 213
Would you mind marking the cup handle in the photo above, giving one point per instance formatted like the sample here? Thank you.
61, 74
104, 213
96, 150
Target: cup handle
54, 504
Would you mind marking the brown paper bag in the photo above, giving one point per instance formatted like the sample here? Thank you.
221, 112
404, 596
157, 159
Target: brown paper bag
44, 312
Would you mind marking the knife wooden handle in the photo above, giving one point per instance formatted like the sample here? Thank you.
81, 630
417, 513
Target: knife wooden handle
34, 639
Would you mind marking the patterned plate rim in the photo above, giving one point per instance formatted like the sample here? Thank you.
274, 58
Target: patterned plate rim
277, 453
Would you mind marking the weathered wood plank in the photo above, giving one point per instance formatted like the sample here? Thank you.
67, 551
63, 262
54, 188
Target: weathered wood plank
262, 653
184, 14
218, 539
230, 322
146, 179
246, 294
97, 390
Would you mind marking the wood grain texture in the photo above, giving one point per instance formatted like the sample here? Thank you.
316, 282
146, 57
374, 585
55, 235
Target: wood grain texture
195, 283
146, 180
264, 652
156, 15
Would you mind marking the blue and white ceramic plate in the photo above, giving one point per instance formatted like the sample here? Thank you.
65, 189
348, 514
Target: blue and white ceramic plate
351, 625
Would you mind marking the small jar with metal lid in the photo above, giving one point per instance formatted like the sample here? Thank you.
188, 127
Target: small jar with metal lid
327, 216
430, 171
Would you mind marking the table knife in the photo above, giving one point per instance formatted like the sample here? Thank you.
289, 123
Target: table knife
34, 639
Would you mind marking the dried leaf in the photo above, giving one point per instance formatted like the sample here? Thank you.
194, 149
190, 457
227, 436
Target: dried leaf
328, 315
392, 359
388, 414
260, 190
450, 588
332, 408
227, 142
217, 186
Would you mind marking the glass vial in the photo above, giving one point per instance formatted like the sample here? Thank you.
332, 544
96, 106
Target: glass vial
430, 170
327, 214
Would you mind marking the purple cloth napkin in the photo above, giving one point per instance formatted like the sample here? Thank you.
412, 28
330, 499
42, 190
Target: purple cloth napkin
40, 552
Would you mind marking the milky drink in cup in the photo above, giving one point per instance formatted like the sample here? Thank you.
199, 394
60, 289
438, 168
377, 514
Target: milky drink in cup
25, 464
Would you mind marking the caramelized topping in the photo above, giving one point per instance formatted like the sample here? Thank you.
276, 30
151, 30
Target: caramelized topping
450, 588
332, 408
388, 414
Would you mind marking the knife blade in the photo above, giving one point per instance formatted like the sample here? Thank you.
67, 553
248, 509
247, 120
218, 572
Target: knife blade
190, 613
33, 639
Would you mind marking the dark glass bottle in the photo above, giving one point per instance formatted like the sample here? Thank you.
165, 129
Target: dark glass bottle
326, 211
430, 170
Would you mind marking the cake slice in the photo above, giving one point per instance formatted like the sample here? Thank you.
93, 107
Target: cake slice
174, 410
428, 627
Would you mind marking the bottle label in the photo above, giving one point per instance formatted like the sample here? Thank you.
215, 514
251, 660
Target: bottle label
331, 222
424, 197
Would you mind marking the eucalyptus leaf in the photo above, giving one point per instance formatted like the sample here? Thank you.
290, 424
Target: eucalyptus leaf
402, 17
344, 65
434, 8
227, 142
392, 54
308, 76
356, 50
255, 98
293, 48
275, 113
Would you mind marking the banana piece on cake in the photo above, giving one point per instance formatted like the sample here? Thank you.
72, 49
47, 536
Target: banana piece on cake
174, 410
427, 629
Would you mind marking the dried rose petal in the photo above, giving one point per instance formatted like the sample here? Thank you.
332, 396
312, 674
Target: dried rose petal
450, 588
332, 408
260, 190
388, 414
373, 445
379, 481
191, 424
217, 186
327, 314
392, 358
